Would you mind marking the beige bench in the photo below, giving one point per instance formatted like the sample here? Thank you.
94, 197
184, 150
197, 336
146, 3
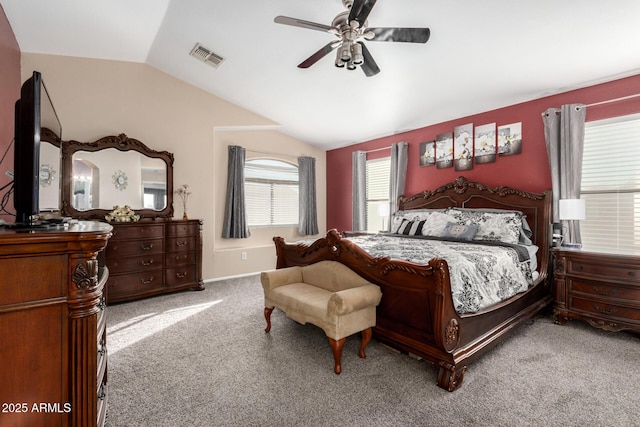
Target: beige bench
326, 294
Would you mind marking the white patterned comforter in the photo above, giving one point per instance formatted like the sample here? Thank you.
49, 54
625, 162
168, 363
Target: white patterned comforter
481, 275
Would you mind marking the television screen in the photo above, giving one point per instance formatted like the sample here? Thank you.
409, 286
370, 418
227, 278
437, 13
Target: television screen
33, 111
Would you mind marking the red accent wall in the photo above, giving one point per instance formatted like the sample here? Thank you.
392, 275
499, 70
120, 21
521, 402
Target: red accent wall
528, 170
10, 81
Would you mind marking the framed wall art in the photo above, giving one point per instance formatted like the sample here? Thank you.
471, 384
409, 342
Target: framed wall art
444, 150
428, 153
485, 143
463, 147
510, 139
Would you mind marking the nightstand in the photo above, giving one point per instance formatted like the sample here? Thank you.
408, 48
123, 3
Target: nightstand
603, 289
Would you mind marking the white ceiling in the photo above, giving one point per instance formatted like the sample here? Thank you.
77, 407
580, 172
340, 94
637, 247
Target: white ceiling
482, 55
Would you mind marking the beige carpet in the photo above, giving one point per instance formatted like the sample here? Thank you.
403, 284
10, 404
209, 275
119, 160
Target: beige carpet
203, 359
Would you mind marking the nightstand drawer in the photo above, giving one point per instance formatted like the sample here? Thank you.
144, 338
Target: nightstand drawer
604, 290
611, 311
603, 270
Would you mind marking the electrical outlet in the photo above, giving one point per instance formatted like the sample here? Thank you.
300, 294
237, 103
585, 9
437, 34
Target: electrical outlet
243, 255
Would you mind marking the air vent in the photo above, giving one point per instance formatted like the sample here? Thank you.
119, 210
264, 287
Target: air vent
206, 55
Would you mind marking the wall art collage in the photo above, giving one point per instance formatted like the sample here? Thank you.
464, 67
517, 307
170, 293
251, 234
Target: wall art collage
462, 147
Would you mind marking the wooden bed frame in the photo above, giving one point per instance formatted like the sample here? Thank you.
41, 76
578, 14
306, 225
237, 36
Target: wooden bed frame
416, 313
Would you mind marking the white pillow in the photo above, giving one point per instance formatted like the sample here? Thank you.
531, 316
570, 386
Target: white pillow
435, 224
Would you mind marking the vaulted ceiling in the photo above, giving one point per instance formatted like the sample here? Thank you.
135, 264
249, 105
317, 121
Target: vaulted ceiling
481, 55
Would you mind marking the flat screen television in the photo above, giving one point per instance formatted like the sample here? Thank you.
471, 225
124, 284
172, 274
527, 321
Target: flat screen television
33, 111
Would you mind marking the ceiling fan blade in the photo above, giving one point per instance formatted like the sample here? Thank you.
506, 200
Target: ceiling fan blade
301, 23
410, 35
324, 51
369, 66
360, 11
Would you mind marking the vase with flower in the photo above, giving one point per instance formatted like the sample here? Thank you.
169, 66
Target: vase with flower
184, 193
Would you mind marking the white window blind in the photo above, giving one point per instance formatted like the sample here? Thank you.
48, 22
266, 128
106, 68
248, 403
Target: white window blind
378, 172
611, 185
271, 192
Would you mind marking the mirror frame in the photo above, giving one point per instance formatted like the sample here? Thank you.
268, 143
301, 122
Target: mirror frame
122, 143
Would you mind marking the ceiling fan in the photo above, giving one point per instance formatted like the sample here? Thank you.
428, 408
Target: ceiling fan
350, 27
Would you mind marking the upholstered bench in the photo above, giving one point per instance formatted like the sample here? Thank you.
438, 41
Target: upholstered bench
326, 294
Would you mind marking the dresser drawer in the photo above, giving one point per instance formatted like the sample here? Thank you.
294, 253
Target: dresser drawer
180, 258
180, 275
33, 278
175, 244
133, 248
136, 232
603, 270
135, 282
178, 229
151, 261
610, 311
605, 290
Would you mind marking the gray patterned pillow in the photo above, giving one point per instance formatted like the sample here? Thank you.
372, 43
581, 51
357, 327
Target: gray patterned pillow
460, 231
492, 225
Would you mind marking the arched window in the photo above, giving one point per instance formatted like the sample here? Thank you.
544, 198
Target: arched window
271, 192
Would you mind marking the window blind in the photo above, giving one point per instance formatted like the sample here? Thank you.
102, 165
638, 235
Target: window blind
378, 173
611, 185
271, 192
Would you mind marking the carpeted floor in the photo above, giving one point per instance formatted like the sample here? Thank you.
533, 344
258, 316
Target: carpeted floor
203, 359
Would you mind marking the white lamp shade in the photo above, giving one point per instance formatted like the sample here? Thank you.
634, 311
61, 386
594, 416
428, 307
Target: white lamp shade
572, 209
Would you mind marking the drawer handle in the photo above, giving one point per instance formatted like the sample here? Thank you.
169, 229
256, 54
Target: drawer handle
181, 257
145, 263
181, 275
102, 393
181, 244
603, 311
101, 303
146, 247
579, 267
604, 291
147, 281
102, 348
632, 273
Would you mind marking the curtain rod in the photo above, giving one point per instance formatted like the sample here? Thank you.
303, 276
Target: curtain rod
378, 149
594, 104
624, 98
260, 153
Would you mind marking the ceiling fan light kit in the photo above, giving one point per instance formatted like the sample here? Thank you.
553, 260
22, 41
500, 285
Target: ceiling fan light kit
350, 27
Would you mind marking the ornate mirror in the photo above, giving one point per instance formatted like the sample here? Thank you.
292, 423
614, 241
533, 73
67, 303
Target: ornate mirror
116, 171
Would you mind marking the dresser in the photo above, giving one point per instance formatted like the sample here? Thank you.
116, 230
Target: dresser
153, 257
53, 347
603, 289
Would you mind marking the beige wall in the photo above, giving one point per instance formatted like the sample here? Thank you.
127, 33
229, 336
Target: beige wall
95, 98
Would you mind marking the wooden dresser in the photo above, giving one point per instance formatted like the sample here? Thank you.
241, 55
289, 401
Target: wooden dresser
53, 354
603, 289
153, 257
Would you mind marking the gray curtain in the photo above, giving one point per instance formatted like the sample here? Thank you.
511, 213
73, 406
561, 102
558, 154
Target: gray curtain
235, 216
308, 220
564, 136
359, 191
399, 155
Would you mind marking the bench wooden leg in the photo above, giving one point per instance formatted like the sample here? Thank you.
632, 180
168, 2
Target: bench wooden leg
366, 337
336, 347
267, 316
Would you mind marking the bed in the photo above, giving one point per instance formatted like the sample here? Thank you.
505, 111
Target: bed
417, 313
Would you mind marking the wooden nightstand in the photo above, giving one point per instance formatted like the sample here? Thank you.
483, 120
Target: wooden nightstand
603, 289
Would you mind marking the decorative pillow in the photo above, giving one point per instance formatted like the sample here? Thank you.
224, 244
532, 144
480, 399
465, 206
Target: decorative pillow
410, 215
410, 228
436, 223
494, 226
460, 231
